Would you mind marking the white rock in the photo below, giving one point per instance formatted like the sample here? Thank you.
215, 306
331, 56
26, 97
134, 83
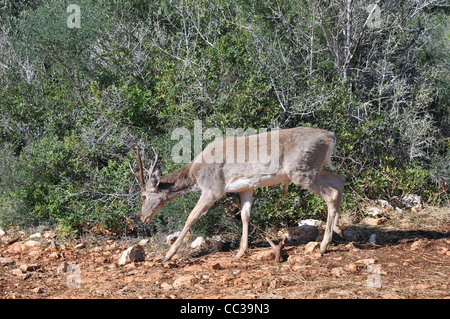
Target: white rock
411, 200
170, 239
310, 222
374, 211
305, 232
2, 232
49, 234
35, 236
143, 242
32, 243
198, 242
385, 204
79, 246
132, 254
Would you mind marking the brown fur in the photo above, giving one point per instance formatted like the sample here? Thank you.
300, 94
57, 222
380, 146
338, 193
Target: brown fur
302, 153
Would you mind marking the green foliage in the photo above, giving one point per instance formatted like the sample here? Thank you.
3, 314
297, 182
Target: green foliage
75, 102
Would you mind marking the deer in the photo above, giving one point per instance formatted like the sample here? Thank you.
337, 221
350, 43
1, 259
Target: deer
234, 164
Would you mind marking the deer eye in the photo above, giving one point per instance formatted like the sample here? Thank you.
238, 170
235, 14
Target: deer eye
143, 197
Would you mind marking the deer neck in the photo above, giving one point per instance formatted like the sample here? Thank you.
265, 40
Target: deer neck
178, 183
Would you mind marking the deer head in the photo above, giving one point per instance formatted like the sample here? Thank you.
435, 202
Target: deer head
152, 199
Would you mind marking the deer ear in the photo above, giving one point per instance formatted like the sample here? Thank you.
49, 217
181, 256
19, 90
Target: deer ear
154, 179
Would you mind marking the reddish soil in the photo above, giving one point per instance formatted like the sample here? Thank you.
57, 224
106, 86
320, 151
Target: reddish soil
407, 264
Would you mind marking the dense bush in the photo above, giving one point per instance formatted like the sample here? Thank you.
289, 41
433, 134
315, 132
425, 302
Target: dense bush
76, 101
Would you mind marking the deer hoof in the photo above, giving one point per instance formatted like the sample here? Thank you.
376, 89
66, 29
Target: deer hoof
240, 254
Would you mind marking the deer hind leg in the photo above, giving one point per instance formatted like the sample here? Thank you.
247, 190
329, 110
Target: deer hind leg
204, 203
330, 187
246, 206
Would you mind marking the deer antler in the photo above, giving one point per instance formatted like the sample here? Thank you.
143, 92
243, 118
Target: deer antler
139, 174
153, 176
150, 171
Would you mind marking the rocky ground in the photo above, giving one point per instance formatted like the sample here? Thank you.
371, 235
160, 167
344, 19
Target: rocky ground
399, 262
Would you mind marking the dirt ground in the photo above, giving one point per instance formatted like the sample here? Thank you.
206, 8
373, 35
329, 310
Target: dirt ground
405, 263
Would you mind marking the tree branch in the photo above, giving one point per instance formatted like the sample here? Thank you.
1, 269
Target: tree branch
277, 248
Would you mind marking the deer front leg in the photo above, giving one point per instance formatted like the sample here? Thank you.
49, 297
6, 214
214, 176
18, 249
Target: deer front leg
246, 206
203, 204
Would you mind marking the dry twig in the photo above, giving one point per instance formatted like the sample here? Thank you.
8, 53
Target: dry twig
277, 248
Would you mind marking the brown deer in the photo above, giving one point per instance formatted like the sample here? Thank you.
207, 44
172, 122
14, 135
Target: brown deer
236, 164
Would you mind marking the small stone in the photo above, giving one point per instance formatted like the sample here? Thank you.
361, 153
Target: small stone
132, 254
30, 267
143, 242
100, 260
96, 249
311, 246
62, 268
374, 211
412, 201
13, 240
32, 243
198, 243
375, 221
113, 246
16, 272
352, 267
169, 264
216, 266
385, 204
24, 276
79, 246
184, 280
366, 261
38, 290
35, 254
263, 255
18, 248
305, 233
416, 245
5, 261
54, 255
337, 272
49, 234
2, 232
165, 286
170, 239
310, 222
35, 236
